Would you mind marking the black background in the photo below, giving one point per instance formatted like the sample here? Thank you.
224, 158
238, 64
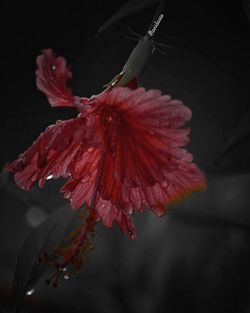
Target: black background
196, 259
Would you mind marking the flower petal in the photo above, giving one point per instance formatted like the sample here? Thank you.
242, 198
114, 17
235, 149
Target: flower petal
123, 154
81, 190
55, 153
52, 77
145, 165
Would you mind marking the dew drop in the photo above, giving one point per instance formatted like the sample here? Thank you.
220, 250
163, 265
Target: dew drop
164, 184
64, 269
130, 210
66, 276
90, 149
131, 235
30, 292
49, 177
53, 67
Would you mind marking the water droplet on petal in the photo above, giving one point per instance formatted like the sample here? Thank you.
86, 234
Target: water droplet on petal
49, 177
66, 276
131, 235
30, 292
64, 269
164, 184
90, 149
53, 67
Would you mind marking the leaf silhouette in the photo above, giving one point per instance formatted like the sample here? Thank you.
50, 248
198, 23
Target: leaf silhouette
234, 156
45, 237
127, 9
3, 178
246, 4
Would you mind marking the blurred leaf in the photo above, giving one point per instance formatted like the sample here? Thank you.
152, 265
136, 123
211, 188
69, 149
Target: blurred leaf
127, 9
3, 178
246, 4
46, 237
235, 153
224, 202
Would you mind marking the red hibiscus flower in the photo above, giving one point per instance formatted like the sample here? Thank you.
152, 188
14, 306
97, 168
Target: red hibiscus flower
122, 153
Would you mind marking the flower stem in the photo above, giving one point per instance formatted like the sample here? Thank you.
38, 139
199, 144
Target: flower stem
87, 227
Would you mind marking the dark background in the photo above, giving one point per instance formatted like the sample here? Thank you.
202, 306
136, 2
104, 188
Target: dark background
197, 257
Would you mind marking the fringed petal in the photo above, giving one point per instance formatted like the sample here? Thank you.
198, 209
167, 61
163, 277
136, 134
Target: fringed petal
79, 189
55, 153
145, 165
123, 154
52, 77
